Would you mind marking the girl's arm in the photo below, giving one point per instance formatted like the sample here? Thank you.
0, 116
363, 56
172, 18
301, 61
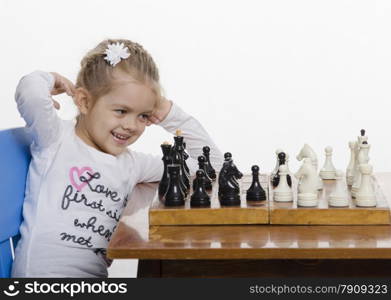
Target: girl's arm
36, 106
195, 137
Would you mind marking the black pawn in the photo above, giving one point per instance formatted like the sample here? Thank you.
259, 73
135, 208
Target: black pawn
276, 178
255, 191
163, 184
201, 165
209, 168
174, 195
200, 197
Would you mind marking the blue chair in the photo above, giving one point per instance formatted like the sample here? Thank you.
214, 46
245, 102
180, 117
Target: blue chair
14, 162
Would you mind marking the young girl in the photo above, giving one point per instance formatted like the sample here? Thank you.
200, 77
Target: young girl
81, 173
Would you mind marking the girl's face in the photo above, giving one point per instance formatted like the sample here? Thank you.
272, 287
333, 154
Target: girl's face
118, 118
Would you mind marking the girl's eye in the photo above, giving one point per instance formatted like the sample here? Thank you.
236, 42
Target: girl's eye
144, 117
120, 111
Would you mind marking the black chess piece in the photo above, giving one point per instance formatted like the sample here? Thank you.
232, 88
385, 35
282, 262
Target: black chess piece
209, 168
180, 146
362, 132
163, 184
200, 197
177, 158
255, 191
227, 156
276, 178
185, 157
229, 192
229, 160
174, 195
201, 165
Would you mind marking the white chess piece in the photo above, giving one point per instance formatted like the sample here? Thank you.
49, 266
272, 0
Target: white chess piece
365, 195
308, 186
338, 198
307, 151
362, 139
328, 170
356, 163
287, 162
283, 193
350, 168
274, 172
362, 158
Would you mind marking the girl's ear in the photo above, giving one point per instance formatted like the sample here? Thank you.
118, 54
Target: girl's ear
83, 100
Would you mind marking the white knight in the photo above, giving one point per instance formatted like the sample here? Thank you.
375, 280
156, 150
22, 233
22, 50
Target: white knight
308, 184
308, 152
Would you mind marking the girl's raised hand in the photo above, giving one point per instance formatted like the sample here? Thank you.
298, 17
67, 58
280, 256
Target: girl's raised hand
161, 111
62, 85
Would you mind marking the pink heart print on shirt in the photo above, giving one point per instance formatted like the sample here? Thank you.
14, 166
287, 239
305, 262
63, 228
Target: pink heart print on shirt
75, 173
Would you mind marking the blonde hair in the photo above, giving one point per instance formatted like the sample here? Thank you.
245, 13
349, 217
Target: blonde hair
96, 74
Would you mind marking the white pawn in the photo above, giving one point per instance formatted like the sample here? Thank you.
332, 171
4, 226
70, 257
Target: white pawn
328, 170
351, 166
309, 182
366, 195
338, 198
283, 193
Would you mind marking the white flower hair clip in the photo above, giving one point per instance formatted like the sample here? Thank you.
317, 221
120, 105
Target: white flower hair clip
115, 52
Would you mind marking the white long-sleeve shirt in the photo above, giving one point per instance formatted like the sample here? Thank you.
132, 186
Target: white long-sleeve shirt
68, 221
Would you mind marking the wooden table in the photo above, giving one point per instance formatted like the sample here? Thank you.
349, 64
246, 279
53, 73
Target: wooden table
251, 250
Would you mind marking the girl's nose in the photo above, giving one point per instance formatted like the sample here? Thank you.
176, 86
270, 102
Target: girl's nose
130, 124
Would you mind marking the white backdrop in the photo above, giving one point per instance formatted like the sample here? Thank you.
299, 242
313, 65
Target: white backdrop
259, 75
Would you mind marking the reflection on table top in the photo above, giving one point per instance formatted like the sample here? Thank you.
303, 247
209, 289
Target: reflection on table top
135, 239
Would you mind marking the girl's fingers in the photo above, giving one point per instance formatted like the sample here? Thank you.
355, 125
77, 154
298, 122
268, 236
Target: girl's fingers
70, 88
68, 91
64, 87
56, 104
57, 91
154, 120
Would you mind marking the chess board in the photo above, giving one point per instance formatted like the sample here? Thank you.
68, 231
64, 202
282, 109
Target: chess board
248, 212
271, 212
289, 213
